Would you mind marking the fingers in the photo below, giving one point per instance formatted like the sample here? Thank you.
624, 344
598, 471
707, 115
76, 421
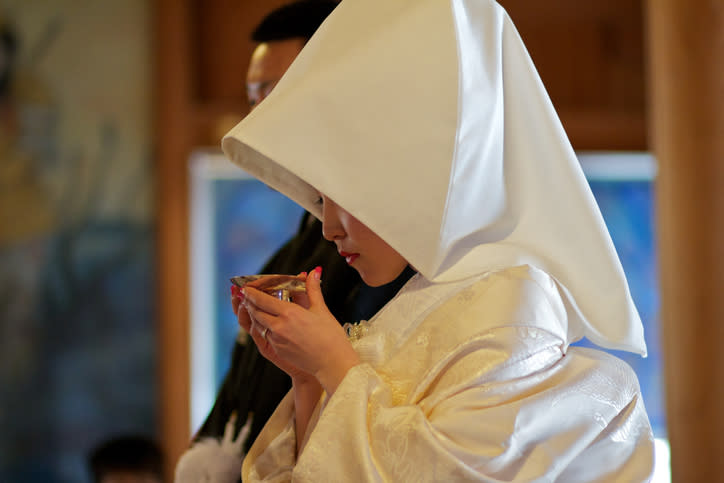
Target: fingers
237, 305
260, 338
235, 298
244, 433
257, 310
229, 428
256, 313
262, 301
314, 289
261, 319
238, 444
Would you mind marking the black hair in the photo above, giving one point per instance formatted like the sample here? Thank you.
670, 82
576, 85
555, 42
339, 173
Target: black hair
126, 453
294, 20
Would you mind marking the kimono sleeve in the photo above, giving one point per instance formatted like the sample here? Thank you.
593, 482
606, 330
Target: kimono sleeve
579, 414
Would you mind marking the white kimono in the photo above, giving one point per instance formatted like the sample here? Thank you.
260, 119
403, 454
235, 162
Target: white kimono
427, 121
469, 381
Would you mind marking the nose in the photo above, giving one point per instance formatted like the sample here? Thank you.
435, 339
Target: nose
332, 228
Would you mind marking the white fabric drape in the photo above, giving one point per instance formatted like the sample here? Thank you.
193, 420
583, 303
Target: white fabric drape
433, 109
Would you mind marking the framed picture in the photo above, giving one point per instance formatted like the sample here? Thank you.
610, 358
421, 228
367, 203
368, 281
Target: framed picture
237, 223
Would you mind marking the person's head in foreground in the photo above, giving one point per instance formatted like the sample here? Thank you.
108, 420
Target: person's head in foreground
127, 459
421, 135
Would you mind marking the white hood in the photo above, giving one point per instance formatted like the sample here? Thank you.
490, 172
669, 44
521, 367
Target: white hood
427, 120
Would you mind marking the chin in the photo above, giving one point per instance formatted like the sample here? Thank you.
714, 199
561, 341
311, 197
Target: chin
368, 278
377, 280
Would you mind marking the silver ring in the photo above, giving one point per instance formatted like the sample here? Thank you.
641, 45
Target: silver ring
263, 333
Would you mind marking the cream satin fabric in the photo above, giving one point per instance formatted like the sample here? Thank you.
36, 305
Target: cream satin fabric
468, 381
427, 120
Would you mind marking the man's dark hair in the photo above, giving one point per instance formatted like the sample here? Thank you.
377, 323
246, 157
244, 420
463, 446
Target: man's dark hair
126, 453
294, 20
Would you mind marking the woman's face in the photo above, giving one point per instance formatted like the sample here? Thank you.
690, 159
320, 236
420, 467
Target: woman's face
376, 261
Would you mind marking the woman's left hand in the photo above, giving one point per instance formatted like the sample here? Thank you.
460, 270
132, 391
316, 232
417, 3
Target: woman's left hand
303, 334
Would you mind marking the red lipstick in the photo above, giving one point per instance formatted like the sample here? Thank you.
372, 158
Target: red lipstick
349, 257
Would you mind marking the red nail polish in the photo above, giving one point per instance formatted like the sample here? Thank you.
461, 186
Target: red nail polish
234, 290
318, 273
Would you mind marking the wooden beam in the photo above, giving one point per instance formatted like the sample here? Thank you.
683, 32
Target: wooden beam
173, 81
686, 42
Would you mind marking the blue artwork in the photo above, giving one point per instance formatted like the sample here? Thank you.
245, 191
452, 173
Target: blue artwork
78, 348
251, 223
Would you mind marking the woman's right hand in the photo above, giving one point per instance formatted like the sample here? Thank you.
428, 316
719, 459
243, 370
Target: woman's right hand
305, 336
256, 331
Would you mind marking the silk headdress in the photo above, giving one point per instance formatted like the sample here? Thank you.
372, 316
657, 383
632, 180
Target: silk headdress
427, 121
